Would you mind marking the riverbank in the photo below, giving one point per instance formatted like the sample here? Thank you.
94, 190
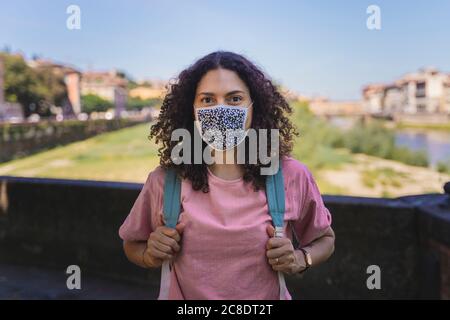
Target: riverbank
124, 155
429, 143
425, 126
127, 155
375, 177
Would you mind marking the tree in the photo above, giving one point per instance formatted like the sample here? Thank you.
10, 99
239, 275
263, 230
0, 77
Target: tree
134, 103
92, 102
52, 86
21, 83
35, 89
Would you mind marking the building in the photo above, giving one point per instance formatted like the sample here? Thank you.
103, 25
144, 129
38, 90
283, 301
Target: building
373, 96
393, 99
148, 90
424, 92
71, 78
107, 85
447, 94
145, 93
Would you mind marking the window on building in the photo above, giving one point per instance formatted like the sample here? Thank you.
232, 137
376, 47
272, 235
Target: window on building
420, 89
421, 107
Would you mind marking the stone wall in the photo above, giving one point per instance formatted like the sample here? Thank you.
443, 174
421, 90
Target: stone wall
56, 223
18, 140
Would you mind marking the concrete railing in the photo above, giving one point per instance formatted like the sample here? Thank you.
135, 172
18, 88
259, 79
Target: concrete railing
56, 223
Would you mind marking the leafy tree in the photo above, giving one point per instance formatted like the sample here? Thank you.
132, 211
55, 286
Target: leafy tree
35, 89
52, 86
138, 103
92, 102
21, 83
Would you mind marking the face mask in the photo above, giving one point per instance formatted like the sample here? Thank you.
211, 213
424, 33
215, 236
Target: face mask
222, 127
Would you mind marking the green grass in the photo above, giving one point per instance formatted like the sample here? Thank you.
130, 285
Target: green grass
128, 155
443, 126
326, 187
316, 144
123, 155
443, 166
315, 147
385, 176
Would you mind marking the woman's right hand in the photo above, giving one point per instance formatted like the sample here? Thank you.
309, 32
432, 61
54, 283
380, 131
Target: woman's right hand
162, 244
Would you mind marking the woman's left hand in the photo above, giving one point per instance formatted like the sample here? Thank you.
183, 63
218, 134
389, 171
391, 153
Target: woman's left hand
282, 256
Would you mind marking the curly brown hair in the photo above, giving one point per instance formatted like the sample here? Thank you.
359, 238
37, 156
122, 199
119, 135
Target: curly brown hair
270, 112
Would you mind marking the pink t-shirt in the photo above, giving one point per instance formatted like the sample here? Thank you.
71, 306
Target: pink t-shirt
223, 246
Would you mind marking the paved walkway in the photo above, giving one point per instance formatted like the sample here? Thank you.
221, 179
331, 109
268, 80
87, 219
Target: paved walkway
17, 282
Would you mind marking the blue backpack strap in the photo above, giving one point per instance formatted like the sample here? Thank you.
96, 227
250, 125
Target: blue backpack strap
275, 197
171, 210
171, 198
275, 202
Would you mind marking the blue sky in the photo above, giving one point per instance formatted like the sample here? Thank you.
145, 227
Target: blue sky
314, 47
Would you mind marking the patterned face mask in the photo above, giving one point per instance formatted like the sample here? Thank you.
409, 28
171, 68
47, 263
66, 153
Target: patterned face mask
221, 126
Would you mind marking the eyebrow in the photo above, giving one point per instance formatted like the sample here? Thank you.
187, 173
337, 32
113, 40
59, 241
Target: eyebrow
228, 94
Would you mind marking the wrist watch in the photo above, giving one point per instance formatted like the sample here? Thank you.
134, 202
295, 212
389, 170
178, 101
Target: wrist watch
308, 259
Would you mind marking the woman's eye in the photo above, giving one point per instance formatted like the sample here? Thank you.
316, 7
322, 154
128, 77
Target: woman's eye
236, 99
206, 100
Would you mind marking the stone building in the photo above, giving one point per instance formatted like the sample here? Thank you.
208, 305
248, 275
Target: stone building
424, 92
107, 85
71, 78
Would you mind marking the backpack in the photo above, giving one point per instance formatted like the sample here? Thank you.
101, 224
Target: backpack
171, 209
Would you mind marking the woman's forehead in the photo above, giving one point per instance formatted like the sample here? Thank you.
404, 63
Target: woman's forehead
221, 82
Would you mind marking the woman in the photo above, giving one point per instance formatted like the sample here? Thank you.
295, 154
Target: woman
223, 246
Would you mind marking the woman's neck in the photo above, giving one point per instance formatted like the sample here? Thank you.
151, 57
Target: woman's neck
227, 171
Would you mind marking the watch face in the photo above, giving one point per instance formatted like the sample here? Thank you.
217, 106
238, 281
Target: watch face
308, 259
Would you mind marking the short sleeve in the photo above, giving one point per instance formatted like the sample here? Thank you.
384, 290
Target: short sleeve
313, 217
145, 215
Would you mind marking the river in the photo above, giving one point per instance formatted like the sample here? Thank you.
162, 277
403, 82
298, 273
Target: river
436, 143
